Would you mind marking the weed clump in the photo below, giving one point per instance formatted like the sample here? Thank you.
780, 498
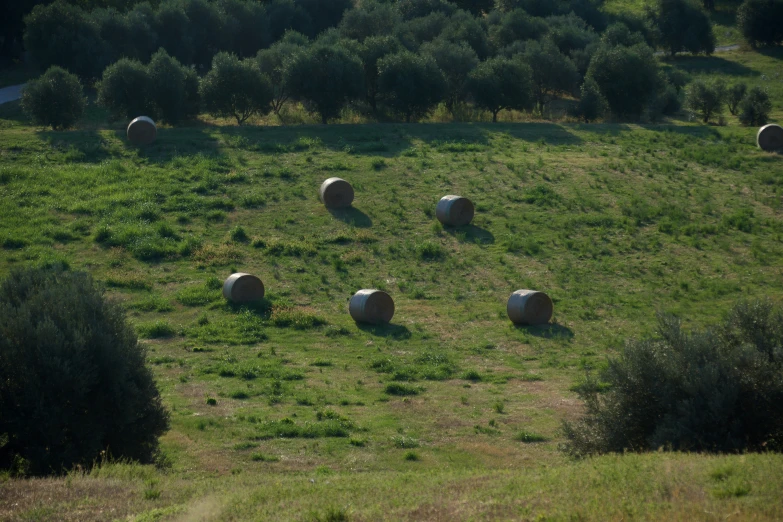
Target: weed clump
73, 380
717, 390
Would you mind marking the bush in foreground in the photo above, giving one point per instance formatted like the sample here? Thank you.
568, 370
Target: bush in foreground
73, 380
714, 390
755, 107
55, 99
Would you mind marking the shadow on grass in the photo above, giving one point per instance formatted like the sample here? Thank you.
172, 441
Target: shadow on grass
710, 65
261, 308
471, 234
547, 331
352, 216
392, 331
94, 146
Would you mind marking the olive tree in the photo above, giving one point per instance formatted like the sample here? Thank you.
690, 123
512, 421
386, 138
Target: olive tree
373, 49
553, 72
55, 99
410, 84
627, 77
683, 26
456, 61
501, 83
325, 78
235, 88
705, 98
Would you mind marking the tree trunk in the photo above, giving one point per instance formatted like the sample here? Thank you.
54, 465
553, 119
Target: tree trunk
323, 118
495, 116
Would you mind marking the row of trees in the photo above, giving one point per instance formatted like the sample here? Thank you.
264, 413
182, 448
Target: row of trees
193, 31
708, 99
381, 74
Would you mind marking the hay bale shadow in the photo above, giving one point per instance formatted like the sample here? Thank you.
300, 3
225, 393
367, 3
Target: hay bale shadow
393, 331
471, 234
547, 331
351, 216
262, 307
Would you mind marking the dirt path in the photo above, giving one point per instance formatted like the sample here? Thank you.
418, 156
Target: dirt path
9, 94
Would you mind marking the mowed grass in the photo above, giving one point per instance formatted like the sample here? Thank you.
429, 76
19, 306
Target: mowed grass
290, 410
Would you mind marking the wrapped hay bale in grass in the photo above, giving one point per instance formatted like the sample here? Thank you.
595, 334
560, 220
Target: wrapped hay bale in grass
243, 288
454, 211
529, 307
142, 131
336, 193
371, 306
770, 137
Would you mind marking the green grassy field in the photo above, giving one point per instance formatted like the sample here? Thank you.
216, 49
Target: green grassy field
291, 411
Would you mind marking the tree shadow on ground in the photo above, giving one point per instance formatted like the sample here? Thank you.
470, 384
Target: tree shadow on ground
352, 216
470, 234
391, 331
546, 331
711, 65
95, 146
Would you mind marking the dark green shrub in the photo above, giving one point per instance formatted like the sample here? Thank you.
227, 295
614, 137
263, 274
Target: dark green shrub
761, 21
500, 83
755, 107
713, 390
369, 19
235, 88
125, 90
592, 104
705, 99
55, 99
246, 27
173, 88
325, 78
73, 382
456, 61
63, 34
734, 96
683, 26
464, 27
410, 84
127, 35
627, 76
372, 50
507, 28
272, 62
173, 29
553, 72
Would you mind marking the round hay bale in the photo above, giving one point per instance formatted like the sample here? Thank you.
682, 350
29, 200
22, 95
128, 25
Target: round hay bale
529, 307
371, 306
770, 137
243, 288
142, 131
454, 211
336, 193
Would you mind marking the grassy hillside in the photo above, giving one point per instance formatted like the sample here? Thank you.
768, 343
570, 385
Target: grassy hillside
290, 410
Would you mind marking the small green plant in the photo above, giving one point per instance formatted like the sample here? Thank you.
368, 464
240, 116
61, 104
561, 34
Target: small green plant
412, 456
400, 389
260, 457
211, 401
238, 235
404, 442
158, 330
529, 437
499, 407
